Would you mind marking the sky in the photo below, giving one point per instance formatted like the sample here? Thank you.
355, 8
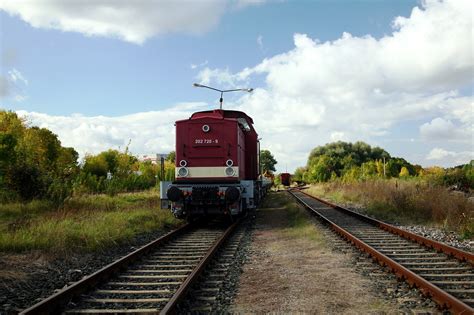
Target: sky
101, 73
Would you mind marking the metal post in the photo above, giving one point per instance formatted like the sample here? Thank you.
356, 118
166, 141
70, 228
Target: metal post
384, 166
162, 166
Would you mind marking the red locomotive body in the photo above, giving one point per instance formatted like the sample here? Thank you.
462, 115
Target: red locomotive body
217, 165
216, 145
285, 179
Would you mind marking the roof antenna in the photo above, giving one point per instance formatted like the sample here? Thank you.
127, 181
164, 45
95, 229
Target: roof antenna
221, 100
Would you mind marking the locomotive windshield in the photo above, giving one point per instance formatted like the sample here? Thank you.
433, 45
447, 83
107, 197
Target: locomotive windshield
243, 122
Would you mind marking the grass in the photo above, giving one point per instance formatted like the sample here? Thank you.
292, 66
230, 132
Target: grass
85, 223
298, 225
405, 202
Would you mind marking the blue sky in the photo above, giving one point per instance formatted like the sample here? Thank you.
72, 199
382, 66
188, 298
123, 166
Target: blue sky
105, 76
87, 69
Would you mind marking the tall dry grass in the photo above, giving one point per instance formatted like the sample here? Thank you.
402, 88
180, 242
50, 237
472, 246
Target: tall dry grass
406, 202
85, 223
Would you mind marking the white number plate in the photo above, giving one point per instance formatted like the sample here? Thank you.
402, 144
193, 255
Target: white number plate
206, 141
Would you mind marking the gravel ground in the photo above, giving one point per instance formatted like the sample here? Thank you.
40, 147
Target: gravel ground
227, 294
27, 278
299, 276
383, 283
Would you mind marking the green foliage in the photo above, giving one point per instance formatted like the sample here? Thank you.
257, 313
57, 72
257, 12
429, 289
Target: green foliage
321, 168
267, 161
345, 155
350, 162
298, 176
404, 172
394, 167
112, 172
460, 177
33, 164
277, 180
171, 157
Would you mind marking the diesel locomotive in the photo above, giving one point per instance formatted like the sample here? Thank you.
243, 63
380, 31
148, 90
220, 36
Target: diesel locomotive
217, 166
285, 179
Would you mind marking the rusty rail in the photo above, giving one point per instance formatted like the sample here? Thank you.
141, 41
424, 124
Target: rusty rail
170, 307
444, 299
449, 250
57, 302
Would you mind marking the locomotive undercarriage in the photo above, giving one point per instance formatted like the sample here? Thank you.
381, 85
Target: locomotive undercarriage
188, 201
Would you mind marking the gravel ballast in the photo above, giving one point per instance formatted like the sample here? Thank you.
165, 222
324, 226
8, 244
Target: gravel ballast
436, 234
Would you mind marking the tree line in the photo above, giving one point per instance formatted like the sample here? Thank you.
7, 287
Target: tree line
34, 165
359, 161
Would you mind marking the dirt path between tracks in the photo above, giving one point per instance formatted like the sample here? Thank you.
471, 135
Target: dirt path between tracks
292, 269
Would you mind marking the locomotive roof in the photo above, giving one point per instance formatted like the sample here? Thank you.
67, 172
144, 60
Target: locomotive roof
219, 113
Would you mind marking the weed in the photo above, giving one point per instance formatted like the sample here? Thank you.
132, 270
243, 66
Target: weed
84, 223
405, 202
299, 224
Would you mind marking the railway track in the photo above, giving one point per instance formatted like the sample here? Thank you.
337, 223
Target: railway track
444, 273
151, 280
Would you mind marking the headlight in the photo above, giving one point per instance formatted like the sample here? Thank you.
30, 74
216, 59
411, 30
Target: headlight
229, 171
229, 162
183, 163
183, 172
206, 128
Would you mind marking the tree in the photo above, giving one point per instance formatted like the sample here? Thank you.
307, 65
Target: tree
267, 161
344, 156
321, 169
33, 164
369, 169
404, 172
299, 173
171, 157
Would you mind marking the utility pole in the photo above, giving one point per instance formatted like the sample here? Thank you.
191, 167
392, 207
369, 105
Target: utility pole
384, 167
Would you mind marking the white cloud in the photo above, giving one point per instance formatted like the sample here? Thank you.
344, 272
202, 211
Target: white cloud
17, 76
441, 129
438, 154
149, 132
199, 65
12, 84
220, 77
363, 87
132, 21
449, 158
337, 136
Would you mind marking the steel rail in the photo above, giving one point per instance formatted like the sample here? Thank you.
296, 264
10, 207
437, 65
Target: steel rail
449, 250
443, 298
57, 302
170, 307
